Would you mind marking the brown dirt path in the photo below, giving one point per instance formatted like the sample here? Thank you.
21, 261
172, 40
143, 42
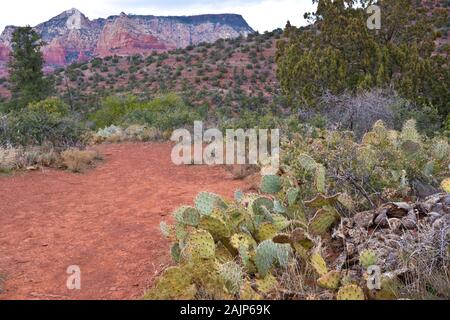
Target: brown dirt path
106, 221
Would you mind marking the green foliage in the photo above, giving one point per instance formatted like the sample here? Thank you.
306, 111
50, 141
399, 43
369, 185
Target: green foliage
339, 53
25, 68
30, 127
386, 164
53, 106
164, 112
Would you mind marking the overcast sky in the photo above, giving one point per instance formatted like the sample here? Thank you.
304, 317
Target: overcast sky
262, 15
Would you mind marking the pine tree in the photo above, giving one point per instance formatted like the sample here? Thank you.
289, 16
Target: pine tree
25, 67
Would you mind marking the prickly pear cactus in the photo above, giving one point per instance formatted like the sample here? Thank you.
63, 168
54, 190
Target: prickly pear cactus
292, 195
368, 258
215, 225
175, 284
322, 221
319, 178
258, 203
307, 162
410, 133
200, 245
188, 216
446, 185
265, 257
266, 231
239, 240
319, 264
233, 276
350, 292
266, 284
270, 184
175, 252
206, 202
247, 293
330, 280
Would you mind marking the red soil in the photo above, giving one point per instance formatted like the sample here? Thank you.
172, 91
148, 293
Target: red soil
106, 221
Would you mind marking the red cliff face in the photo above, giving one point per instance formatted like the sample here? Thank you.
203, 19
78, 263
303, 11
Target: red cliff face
124, 37
72, 37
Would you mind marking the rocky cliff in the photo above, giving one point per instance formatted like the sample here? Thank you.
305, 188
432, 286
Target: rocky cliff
72, 37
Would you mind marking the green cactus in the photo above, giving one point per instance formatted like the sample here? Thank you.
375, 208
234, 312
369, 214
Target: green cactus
166, 230
321, 201
441, 150
215, 225
270, 184
307, 162
319, 178
175, 252
351, 292
242, 239
266, 254
292, 195
258, 203
266, 284
233, 276
322, 221
368, 258
266, 231
319, 264
247, 293
200, 245
174, 283
410, 133
187, 215
206, 202
330, 280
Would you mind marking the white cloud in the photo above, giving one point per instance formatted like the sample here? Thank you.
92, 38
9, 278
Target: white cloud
261, 15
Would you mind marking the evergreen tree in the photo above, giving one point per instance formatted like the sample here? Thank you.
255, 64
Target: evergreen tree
338, 53
25, 68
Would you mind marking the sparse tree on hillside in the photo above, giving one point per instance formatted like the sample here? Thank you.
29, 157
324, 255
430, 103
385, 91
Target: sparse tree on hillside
26, 76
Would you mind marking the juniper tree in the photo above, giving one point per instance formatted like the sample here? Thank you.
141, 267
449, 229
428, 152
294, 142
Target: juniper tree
25, 67
339, 53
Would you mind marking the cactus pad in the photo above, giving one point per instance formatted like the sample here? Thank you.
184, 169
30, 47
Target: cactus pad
446, 185
200, 245
322, 221
321, 201
266, 231
351, 292
307, 162
258, 203
292, 195
174, 283
270, 184
266, 284
319, 264
215, 225
319, 178
330, 280
175, 252
368, 258
241, 239
206, 202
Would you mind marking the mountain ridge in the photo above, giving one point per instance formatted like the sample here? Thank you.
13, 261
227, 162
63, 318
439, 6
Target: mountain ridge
72, 37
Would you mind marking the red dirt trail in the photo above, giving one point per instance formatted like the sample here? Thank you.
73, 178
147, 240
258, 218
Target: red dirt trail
106, 221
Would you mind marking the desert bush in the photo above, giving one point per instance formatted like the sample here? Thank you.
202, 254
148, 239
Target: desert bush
77, 160
53, 106
34, 128
8, 159
359, 112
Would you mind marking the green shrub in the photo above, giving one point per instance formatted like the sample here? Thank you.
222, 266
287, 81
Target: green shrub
53, 106
32, 127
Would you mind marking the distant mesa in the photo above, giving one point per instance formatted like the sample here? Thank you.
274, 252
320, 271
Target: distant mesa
72, 37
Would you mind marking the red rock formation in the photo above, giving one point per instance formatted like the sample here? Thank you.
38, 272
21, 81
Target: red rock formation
54, 53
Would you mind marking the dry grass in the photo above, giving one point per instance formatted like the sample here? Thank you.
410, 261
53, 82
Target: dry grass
9, 159
77, 160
